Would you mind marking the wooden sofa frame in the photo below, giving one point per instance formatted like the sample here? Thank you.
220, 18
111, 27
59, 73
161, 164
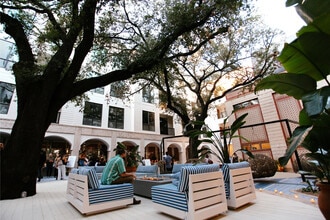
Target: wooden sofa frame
77, 194
206, 195
242, 190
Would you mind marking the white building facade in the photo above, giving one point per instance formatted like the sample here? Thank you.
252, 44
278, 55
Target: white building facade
102, 121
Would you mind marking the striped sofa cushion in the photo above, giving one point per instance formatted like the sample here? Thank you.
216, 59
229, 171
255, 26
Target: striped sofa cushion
177, 167
225, 170
93, 181
168, 195
106, 193
186, 170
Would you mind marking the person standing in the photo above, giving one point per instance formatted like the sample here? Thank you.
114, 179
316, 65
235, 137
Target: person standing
49, 164
41, 164
115, 172
61, 169
168, 162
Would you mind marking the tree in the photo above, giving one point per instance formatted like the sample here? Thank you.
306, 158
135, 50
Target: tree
232, 60
57, 41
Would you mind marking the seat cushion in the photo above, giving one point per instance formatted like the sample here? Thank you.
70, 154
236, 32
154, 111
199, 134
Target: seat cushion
151, 170
177, 167
168, 195
106, 193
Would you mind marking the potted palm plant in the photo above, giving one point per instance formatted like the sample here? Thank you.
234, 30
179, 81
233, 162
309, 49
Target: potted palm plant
133, 157
221, 148
307, 65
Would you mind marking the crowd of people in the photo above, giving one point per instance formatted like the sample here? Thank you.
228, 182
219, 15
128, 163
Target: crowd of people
55, 165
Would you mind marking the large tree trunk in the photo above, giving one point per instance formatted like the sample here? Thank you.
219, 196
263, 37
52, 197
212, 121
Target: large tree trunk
20, 157
194, 147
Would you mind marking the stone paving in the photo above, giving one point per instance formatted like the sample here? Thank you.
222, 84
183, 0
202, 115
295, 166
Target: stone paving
286, 185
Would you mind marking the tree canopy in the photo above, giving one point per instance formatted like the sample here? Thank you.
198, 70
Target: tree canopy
62, 44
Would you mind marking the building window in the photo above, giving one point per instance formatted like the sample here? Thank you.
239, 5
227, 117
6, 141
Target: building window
116, 117
6, 94
166, 125
117, 89
57, 119
246, 104
222, 113
99, 90
148, 121
7, 54
148, 94
163, 125
92, 114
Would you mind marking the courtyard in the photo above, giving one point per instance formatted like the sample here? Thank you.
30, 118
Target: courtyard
275, 200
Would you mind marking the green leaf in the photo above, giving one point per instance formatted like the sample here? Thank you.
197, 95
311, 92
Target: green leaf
313, 45
304, 119
314, 103
294, 60
297, 138
312, 9
292, 2
288, 83
237, 124
321, 24
318, 137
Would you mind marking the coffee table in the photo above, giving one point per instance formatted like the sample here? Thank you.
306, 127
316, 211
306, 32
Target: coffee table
142, 187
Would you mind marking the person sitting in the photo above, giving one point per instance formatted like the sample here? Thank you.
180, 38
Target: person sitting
83, 161
168, 162
115, 172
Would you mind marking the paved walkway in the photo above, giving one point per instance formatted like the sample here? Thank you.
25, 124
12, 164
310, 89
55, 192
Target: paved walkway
287, 185
50, 203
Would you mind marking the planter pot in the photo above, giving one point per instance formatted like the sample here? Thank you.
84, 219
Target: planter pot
131, 169
323, 199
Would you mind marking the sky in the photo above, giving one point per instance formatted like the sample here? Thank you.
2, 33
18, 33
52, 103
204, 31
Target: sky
275, 14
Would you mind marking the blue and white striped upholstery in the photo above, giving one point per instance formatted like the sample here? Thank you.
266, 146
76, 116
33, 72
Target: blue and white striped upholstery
93, 181
177, 167
168, 195
186, 170
106, 193
225, 170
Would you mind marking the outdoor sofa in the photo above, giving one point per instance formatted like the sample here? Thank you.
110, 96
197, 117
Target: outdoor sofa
197, 192
239, 184
88, 196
